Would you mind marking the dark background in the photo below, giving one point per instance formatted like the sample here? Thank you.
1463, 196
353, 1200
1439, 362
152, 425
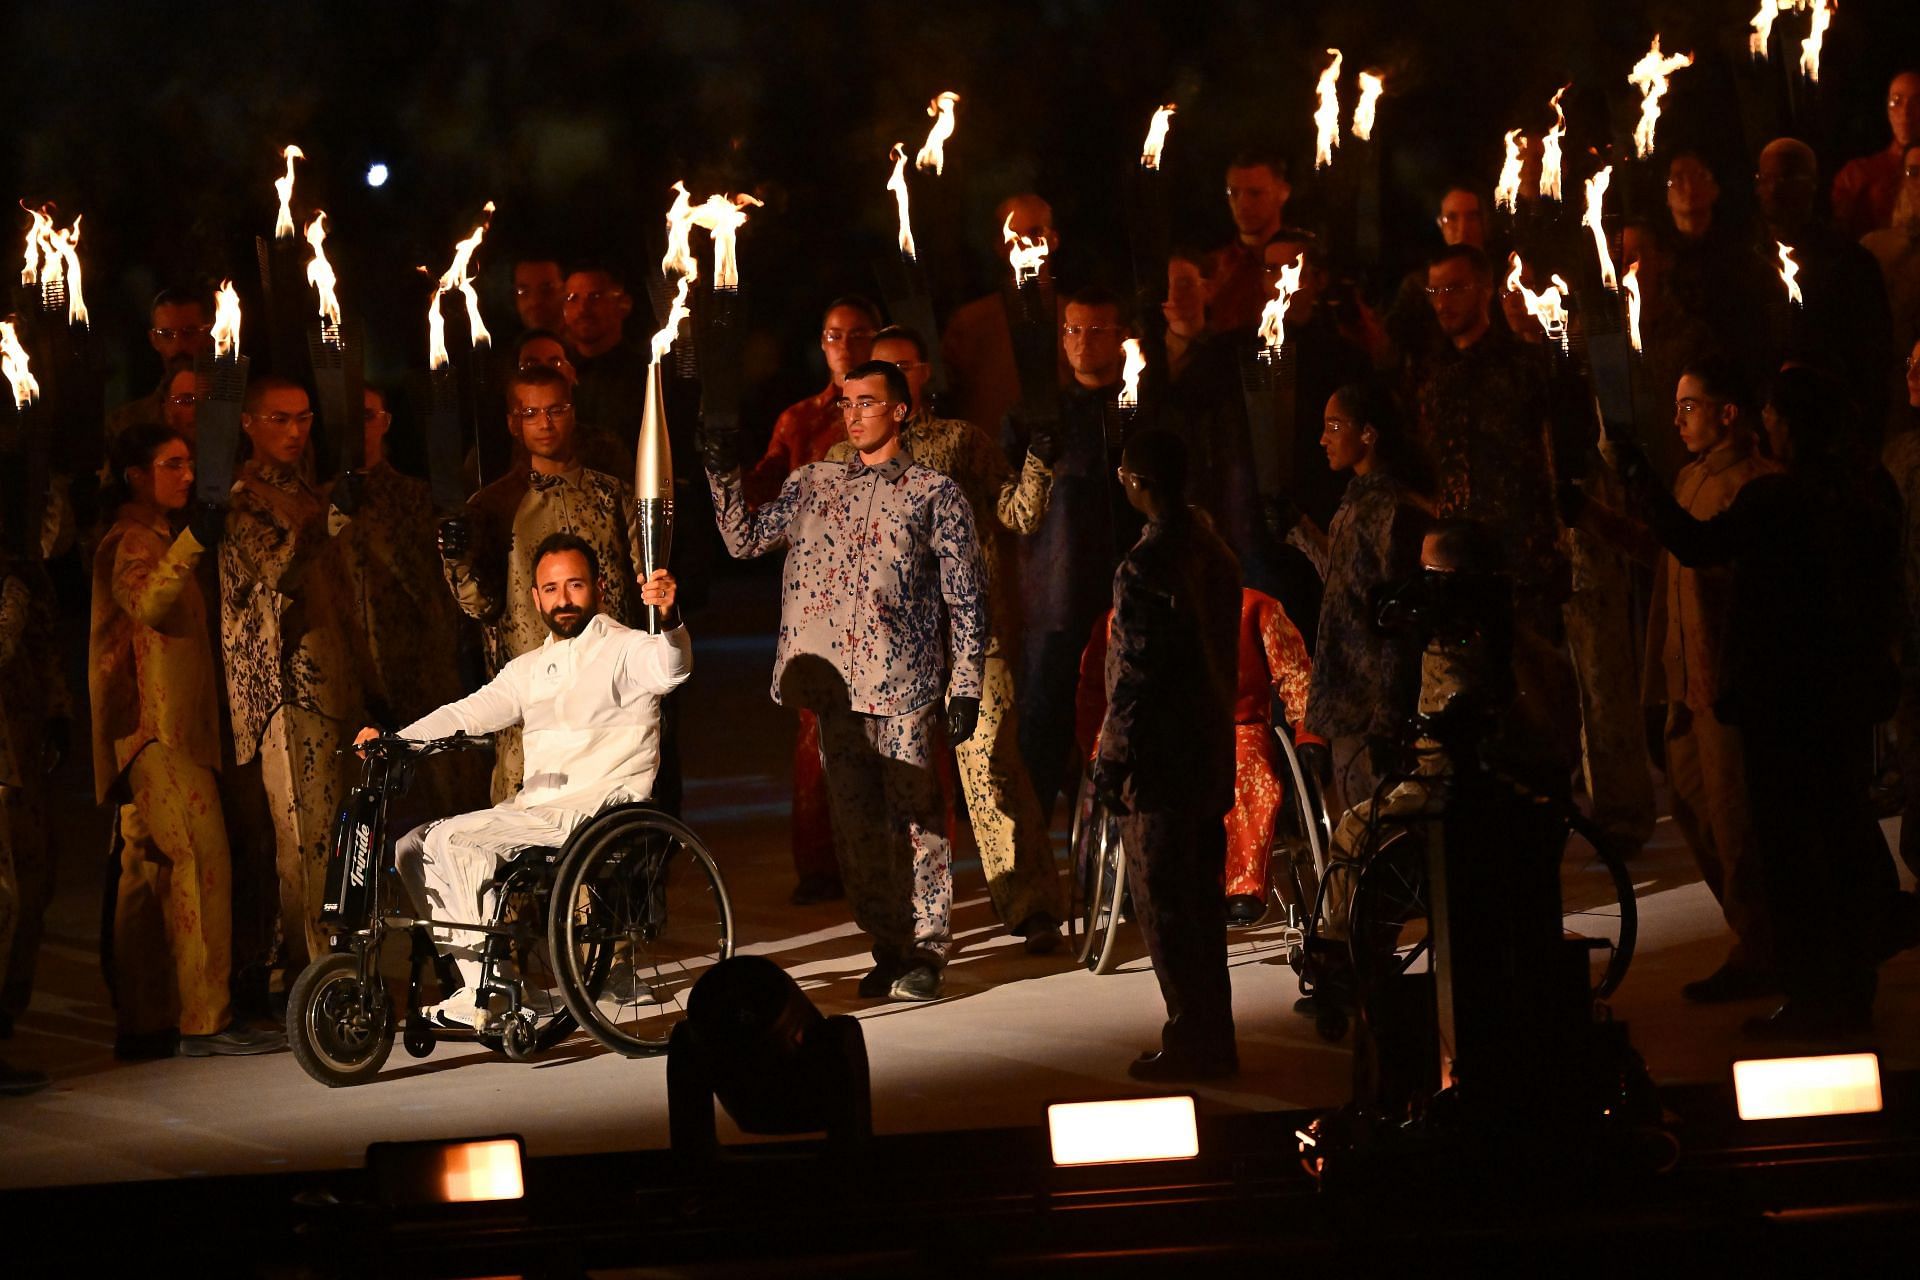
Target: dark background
162, 124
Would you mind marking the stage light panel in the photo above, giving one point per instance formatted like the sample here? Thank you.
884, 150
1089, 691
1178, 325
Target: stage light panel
1830, 1085
1123, 1130
455, 1172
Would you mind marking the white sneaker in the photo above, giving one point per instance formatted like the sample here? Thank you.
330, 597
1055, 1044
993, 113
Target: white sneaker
459, 1012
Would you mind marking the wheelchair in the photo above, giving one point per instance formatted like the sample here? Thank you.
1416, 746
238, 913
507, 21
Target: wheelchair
1097, 884
1388, 905
607, 933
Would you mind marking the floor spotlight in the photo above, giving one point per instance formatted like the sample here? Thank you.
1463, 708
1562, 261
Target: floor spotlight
754, 1042
466, 1171
1123, 1130
1839, 1084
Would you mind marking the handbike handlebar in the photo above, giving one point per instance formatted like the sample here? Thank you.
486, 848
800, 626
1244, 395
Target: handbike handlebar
392, 746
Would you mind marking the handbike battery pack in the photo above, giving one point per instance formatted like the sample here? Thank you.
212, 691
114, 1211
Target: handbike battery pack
350, 864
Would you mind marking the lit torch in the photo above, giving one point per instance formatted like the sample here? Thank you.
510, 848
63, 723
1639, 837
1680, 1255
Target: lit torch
1025, 256
653, 458
283, 228
458, 276
1273, 318
680, 260
1372, 83
1326, 117
1816, 36
1596, 201
898, 185
13, 363
723, 217
1506, 192
1649, 75
1789, 270
220, 376
1130, 374
1762, 24
320, 272
1631, 283
53, 263
1156, 139
1550, 150
933, 154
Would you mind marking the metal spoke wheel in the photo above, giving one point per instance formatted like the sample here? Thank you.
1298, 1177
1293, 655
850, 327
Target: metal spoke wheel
1099, 882
545, 1020
1301, 835
1387, 931
339, 1028
1597, 906
639, 913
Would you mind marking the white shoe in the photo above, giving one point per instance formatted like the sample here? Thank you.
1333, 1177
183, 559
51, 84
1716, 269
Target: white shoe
458, 1013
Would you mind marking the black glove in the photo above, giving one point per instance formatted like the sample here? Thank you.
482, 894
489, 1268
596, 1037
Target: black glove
1109, 780
207, 523
57, 741
347, 493
963, 717
1281, 513
1316, 761
1572, 501
454, 537
719, 443
1043, 442
1636, 473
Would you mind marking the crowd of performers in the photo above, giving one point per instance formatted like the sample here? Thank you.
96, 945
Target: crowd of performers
981, 600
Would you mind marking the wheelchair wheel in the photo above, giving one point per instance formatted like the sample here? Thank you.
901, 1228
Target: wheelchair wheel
1298, 858
546, 1020
1083, 870
1102, 951
340, 1030
1597, 906
639, 912
1387, 928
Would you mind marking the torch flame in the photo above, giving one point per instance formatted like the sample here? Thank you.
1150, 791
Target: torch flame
1156, 137
934, 154
1762, 24
1506, 192
37, 234
226, 323
1816, 36
1649, 75
663, 340
1596, 201
458, 276
680, 260
1550, 150
1023, 255
898, 185
1273, 318
320, 271
1326, 118
13, 363
1372, 84
1130, 375
1631, 283
1547, 306
283, 227
723, 216
1789, 269
53, 262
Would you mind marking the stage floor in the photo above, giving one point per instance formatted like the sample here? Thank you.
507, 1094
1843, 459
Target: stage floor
1011, 1033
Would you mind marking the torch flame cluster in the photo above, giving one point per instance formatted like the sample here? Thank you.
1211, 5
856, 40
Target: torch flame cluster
283, 227
1596, 201
320, 271
1649, 75
1550, 150
1023, 255
1156, 137
898, 185
1789, 271
933, 153
1136, 364
458, 276
1506, 192
1546, 306
1273, 317
721, 217
1770, 10
1326, 118
226, 323
13, 363
53, 261
1372, 83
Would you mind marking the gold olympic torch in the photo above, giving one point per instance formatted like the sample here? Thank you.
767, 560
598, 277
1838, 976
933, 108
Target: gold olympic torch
653, 459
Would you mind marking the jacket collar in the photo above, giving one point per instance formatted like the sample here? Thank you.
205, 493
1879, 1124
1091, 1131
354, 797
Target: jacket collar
892, 469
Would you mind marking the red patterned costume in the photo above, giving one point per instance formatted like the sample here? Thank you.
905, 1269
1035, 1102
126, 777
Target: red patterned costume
1273, 662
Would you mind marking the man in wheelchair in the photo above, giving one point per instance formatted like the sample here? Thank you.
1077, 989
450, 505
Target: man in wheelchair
589, 701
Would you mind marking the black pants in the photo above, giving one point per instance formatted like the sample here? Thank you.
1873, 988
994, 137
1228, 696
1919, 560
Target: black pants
1176, 867
1049, 679
1828, 874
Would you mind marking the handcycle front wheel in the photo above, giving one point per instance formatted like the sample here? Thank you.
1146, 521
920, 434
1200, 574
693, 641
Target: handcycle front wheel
639, 913
339, 1028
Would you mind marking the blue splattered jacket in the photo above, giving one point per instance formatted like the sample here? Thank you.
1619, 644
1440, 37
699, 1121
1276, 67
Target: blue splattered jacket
882, 577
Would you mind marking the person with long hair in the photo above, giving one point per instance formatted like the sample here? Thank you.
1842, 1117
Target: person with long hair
1808, 669
156, 745
1363, 681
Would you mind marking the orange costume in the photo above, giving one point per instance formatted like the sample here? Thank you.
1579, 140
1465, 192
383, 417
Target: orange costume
1273, 662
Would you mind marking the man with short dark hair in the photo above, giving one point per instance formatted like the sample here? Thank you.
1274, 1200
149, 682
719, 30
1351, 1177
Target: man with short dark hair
179, 327
291, 679
487, 552
539, 293
806, 430
589, 701
1865, 189
1257, 195
598, 447
882, 565
610, 386
1166, 754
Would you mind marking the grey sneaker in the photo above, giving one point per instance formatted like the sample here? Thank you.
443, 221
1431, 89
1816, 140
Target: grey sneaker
234, 1042
922, 982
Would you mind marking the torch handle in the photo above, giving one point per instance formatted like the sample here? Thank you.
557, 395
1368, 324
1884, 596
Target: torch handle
653, 525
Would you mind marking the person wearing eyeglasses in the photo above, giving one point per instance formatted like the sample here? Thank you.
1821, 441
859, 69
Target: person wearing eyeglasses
1257, 194
292, 685
1843, 323
883, 635
610, 387
807, 429
1865, 190
179, 327
485, 550
1015, 853
539, 293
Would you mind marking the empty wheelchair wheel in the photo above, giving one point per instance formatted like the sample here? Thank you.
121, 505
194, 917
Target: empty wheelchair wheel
1098, 883
639, 913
